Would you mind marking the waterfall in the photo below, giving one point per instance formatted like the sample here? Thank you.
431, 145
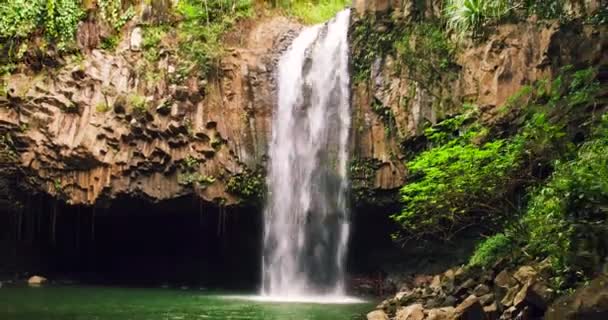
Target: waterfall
306, 226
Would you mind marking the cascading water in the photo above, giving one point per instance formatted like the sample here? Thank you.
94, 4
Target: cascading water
306, 218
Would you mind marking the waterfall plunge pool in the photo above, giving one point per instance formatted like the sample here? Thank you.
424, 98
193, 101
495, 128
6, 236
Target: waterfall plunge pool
105, 303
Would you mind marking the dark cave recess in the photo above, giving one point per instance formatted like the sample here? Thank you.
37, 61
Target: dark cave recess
179, 242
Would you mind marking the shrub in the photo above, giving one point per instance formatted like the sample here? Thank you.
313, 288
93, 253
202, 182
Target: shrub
112, 13
491, 250
201, 29
567, 218
457, 185
250, 185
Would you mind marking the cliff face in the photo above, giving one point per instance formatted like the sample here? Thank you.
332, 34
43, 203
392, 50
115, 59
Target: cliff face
102, 124
397, 93
98, 127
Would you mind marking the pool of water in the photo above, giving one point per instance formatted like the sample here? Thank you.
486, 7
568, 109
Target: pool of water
105, 303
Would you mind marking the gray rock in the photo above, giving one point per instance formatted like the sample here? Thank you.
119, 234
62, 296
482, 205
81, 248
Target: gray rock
486, 299
481, 290
136, 39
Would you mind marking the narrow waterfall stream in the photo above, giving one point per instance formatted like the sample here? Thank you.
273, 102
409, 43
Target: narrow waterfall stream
306, 219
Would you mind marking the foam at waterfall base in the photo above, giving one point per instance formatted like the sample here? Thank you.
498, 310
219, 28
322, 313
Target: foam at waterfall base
314, 299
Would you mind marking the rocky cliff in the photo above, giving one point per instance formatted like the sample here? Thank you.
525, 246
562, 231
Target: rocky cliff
93, 126
104, 124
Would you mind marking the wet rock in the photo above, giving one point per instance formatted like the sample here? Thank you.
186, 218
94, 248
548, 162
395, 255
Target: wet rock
525, 274
507, 300
449, 301
486, 299
464, 288
481, 290
504, 279
436, 283
491, 311
588, 303
435, 302
469, 309
36, 280
412, 312
377, 315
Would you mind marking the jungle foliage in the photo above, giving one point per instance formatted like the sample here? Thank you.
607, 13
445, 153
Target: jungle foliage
567, 218
201, 29
472, 174
55, 20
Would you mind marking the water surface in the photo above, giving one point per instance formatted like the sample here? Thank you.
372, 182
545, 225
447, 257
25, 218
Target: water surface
105, 303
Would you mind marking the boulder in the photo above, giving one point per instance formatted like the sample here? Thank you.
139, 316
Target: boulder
486, 299
377, 315
588, 303
436, 283
449, 301
412, 312
440, 314
507, 300
491, 311
504, 280
525, 274
136, 39
469, 309
36, 280
481, 290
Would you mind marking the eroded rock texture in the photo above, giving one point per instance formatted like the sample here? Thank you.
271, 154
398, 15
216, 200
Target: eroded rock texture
99, 127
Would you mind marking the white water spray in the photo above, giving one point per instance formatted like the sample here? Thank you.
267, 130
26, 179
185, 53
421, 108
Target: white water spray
306, 219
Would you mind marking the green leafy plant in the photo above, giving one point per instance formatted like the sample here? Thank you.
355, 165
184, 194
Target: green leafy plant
110, 43
491, 250
20, 20
567, 217
200, 31
249, 185
111, 11
469, 175
189, 174
137, 104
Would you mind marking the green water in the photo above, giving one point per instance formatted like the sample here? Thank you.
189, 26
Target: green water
105, 303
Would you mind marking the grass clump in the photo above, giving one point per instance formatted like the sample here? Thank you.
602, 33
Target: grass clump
137, 104
102, 107
464, 16
312, 11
